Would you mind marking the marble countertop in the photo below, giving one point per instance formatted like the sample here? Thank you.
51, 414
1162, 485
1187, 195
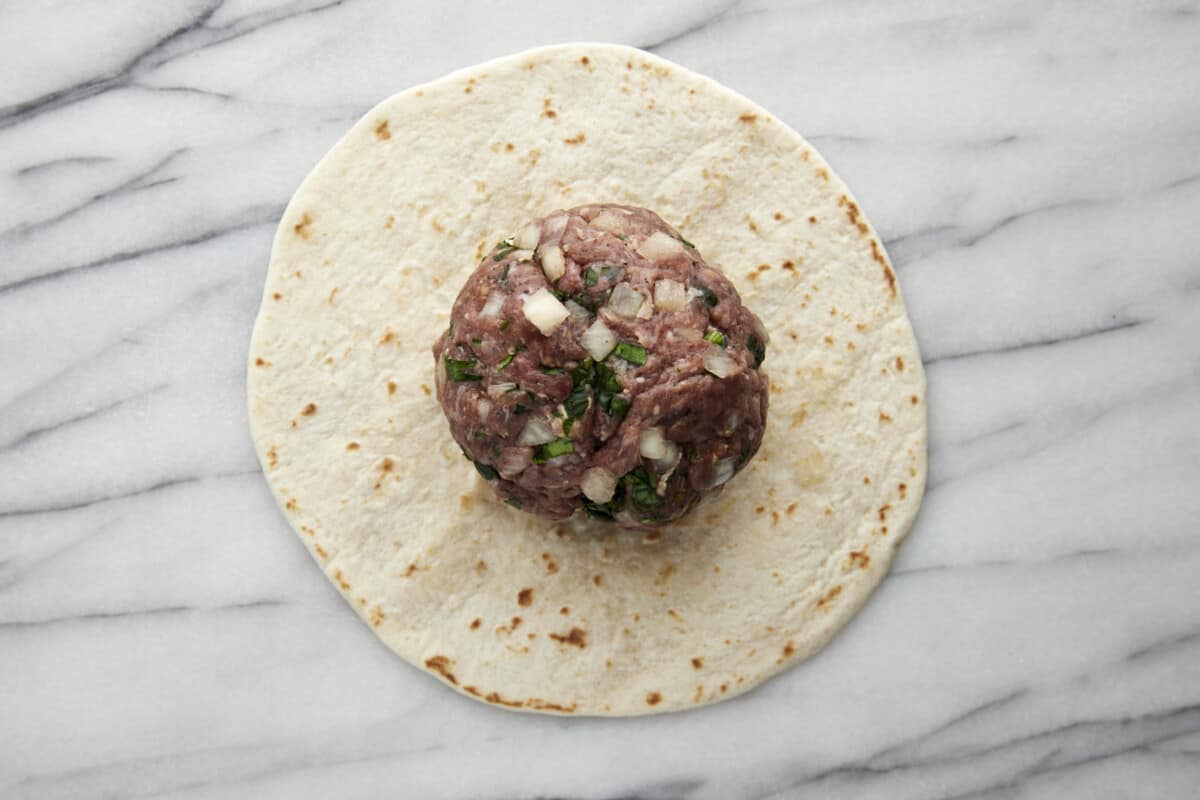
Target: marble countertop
1035, 171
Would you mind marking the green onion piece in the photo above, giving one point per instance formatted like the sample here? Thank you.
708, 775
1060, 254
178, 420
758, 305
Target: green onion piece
551, 370
505, 247
504, 325
559, 447
568, 423
642, 489
486, 470
460, 370
507, 360
685, 241
619, 406
514, 502
710, 297
477, 342
716, 337
757, 348
590, 277
628, 351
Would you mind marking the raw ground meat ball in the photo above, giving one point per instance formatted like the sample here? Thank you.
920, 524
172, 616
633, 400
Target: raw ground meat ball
594, 361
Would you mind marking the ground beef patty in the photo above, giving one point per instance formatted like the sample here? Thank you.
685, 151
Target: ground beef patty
594, 361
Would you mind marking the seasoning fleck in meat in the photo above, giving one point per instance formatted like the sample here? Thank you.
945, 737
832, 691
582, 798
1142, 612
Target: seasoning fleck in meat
595, 362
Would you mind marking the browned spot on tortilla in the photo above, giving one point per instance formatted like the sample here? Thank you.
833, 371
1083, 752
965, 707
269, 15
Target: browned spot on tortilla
551, 564
699, 694
290, 505
884, 417
352, 445
377, 617
789, 649
866, 480
903, 490
598, 580
697, 663
751, 276
828, 511
258, 362
759, 509
578, 138
337, 576
437, 226
549, 113
386, 465
629, 64
524, 597
900, 363
789, 266
791, 509
387, 337
883, 512
475, 623
466, 501
412, 567
724, 688
779, 216
749, 119
652, 536
829, 341
912, 471
391, 387
637, 617
381, 131
508, 147
441, 665
877, 254
321, 552
851, 346
277, 296
328, 359
774, 518
823, 174
832, 593
859, 559
673, 614
301, 228
424, 388
664, 574
753, 228
653, 698
546, 705
585, 61
272, 458
564, 610
576, 637
391, 220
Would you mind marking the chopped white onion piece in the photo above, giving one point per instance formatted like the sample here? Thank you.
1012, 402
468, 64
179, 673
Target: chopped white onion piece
512, 461
544, 311
669, 295
732, 419
578, 312
722, 471
500, 389
599, 340
598, 484
553, 263
554, 225
528, 238
626, 301
521, 255
606, 220
718, 363
536, 432
652, 444
659, 246
492, 307
484, 406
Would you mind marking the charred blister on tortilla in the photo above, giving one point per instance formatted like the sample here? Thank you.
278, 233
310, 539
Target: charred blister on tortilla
595, 362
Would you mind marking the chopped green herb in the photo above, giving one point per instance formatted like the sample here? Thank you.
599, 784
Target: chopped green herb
641, 489
710, 297
519, 409
460, 370
628, 351
480, 435
590, 277
685, 241
505, 247
504, 325
551, 370
568, 423
757, 348
716, 337
514, 502
559, 447
608, 392
486, 470
606, 511
619, 406
623, 238
582, 378
477, 342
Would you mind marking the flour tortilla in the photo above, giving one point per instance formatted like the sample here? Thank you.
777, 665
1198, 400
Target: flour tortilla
581, 617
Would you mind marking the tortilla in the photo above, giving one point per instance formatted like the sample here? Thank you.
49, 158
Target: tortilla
581, 617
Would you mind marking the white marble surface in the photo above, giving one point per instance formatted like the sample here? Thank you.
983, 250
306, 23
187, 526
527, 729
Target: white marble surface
1036, 173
